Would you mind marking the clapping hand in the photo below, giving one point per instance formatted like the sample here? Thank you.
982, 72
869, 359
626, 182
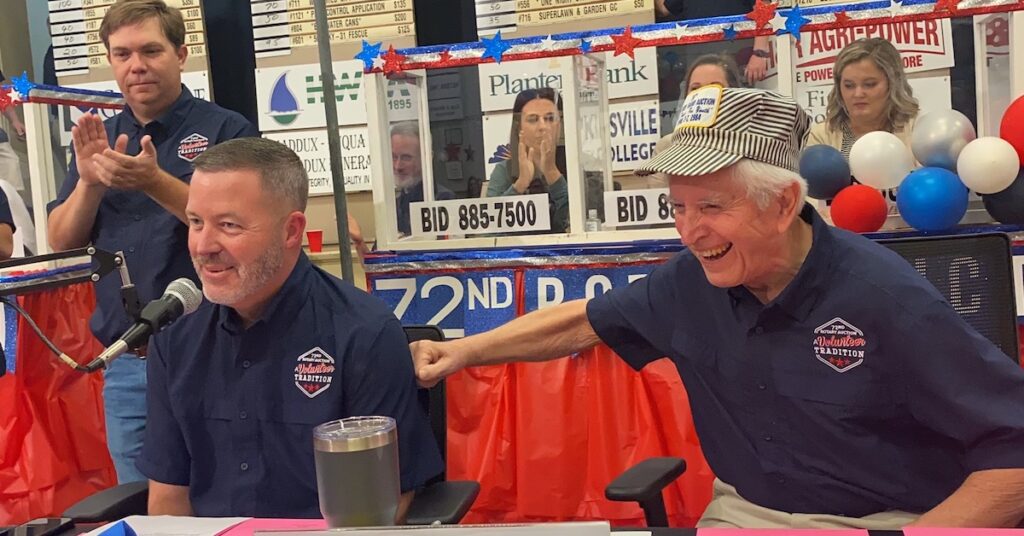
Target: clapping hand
89, 139
116, 169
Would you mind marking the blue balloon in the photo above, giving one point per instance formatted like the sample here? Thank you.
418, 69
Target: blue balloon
1007, 206
825, 170
932, 199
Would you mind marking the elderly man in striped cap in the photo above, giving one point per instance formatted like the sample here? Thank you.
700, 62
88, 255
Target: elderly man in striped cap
831, 385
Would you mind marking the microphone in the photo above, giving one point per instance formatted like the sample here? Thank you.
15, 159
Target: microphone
181, 298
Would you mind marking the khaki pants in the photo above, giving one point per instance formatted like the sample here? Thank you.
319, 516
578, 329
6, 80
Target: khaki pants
728, 510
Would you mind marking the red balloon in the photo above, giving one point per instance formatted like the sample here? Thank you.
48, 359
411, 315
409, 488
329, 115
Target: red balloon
859, 208
1011, 129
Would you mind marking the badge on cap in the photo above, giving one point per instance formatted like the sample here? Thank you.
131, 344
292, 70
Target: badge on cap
700, 108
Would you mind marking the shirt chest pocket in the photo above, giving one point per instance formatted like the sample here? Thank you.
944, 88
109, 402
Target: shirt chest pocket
694, 350
295, 407
282, 407
846, 396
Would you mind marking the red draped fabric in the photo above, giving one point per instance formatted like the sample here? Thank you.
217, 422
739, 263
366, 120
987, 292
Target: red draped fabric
53, 448
544, 439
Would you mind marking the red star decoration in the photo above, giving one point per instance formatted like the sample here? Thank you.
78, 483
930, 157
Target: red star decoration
5, 98
763, 13
842, 18
392, 60
445, 56
625, 43
947, 5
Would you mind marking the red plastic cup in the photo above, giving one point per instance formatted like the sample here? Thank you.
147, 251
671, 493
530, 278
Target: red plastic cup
316, 240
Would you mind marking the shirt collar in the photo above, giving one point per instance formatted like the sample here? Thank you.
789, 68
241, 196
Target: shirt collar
174, 116
284, 304
801, 294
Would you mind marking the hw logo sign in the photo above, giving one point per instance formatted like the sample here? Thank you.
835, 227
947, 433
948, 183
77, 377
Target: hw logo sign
348, 85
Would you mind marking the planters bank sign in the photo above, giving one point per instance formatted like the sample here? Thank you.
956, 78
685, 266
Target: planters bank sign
500, 83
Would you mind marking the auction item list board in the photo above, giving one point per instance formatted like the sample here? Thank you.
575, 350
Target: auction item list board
282, 25
78, 52
517, 16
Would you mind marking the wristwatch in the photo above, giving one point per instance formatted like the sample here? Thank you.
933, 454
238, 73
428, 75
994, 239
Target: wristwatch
761, 53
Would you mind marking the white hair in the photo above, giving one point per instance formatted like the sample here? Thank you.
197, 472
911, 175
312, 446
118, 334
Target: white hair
764, 182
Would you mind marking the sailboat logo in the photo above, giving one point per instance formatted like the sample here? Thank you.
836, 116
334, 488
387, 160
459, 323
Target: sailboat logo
283, 106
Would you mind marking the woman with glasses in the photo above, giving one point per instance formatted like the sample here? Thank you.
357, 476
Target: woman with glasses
537, 162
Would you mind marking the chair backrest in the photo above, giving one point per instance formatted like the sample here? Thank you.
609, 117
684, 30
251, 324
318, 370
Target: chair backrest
975, 274
432, 400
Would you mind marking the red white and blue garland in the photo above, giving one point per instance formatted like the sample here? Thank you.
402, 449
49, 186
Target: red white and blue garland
765, 19
23, 90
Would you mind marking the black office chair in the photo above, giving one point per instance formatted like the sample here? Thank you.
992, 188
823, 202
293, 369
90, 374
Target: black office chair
441, 501
644, 483
974, 272
444, 501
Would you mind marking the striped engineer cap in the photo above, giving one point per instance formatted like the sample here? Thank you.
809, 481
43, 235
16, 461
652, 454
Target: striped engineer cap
719, 126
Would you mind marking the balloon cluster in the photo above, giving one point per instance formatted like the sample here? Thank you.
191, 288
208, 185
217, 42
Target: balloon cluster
932, 197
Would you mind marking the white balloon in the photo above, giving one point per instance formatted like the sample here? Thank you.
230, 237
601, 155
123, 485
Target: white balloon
880, 159
988, 165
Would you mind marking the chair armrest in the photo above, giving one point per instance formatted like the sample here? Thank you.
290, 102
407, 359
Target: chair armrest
111, 504
445, 502
645, 479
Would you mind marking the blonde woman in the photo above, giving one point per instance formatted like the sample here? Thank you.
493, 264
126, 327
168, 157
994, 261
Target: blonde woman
871, 93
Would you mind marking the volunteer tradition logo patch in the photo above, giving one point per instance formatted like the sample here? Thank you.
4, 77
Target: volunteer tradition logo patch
192, 146
839, 344
314, 371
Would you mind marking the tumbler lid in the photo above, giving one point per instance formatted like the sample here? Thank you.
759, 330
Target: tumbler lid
354, 434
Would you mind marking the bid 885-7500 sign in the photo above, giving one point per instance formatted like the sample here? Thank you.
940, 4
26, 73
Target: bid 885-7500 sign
491, 215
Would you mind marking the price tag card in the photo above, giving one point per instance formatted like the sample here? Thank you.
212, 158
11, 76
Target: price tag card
489, 215
627, 208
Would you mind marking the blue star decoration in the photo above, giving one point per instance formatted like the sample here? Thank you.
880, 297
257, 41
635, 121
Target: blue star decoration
730, 32
585, 46
795, 21
369, 53
22, 84
495, 47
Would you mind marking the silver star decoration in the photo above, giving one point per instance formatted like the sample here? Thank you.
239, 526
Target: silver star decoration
896, 8
679, 31
779, 22
547, 43
378, 62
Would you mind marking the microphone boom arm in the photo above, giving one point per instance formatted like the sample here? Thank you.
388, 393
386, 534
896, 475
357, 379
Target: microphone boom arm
102, 263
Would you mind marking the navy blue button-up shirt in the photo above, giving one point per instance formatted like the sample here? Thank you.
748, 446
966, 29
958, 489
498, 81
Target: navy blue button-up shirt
857, 390
154, 241
231, 411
